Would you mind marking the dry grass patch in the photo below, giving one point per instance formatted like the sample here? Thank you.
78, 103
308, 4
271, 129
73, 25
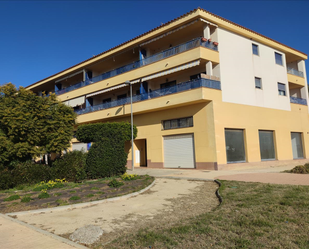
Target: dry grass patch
253, 215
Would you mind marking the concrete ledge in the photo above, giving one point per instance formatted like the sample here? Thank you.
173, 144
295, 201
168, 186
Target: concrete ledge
82, 205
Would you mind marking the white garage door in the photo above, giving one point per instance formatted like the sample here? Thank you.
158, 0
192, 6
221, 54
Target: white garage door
179, 151
79, 146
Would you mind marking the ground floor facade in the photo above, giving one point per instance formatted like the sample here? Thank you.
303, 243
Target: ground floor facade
214, 135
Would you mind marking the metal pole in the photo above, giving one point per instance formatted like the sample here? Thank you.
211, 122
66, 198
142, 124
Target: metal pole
132, 128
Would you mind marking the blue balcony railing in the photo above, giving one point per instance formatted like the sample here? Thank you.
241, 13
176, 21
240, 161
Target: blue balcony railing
151, 59
155, 94
298, 100
295, 72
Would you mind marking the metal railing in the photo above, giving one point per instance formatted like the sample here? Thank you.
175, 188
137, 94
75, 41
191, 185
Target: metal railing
298, 100
151, 59
155, 94
295, 72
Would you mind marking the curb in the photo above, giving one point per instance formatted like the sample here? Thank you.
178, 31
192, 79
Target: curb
82, 205
54, 236
218, 193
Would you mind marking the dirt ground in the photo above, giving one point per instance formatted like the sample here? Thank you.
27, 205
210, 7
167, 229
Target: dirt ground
167, 202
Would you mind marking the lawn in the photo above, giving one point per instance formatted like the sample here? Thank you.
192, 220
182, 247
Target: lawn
60, 193
252, 215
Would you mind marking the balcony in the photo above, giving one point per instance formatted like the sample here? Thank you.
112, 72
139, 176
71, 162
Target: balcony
295, 72
155, 94
151, 59
300, 101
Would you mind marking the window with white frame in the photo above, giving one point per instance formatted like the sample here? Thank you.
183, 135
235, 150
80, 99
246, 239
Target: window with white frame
255, 49
278, 58
258, 82
281, 89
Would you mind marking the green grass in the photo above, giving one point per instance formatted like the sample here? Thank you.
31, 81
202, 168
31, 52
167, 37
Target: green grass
252, 215
26, 199
90, 195
43, 196
94, 188
57, 194
12, 198
74, 198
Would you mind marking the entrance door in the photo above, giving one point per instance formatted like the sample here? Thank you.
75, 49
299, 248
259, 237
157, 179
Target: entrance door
297, 145
140, 153
179, 151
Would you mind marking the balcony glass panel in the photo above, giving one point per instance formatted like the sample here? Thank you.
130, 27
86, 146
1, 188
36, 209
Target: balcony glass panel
154, 58
298, 100
295, 72
154, 94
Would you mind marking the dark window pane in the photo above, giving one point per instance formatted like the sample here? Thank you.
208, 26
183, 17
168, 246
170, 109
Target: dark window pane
297, 145
235, 148
278, 58
174, 123
255, 49
167, 125
267, 147
258, 83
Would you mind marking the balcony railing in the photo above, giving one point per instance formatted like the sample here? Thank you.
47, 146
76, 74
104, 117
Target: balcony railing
151, 59
295, 72
155, 94
298, 100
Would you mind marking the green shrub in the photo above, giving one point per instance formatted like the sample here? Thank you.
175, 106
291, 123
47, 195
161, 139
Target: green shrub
30, 173
6, 179
74, 198
70, 166
300, 169
26, 199
12, 198
43, 195
128, 177
115, 184
107, 156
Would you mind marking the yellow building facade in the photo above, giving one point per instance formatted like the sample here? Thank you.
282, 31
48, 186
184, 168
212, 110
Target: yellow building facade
207, 94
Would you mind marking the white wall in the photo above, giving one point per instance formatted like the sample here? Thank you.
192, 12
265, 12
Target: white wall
239, 66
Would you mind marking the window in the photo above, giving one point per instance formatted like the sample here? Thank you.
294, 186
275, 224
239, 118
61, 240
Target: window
281, 89
168, 84
235, 147
122, 96
178, 123
278, 58
258, 83
255, 49
297, 145
267, 147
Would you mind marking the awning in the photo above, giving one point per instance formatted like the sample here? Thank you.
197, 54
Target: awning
75, 102
172, 70
105, 90
168, 33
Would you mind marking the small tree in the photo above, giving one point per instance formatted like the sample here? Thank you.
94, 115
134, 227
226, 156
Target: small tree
31, 125
106, 156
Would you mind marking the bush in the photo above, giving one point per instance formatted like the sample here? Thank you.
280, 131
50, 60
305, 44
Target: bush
115, 184
12, 198
106, 158
300, 169
70, 166
6, 179
30, 173
128, 177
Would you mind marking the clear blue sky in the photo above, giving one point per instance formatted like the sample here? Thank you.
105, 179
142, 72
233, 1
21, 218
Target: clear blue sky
40, 38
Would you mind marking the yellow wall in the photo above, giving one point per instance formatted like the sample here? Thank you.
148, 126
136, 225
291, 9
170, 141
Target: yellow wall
252, 119
296, 80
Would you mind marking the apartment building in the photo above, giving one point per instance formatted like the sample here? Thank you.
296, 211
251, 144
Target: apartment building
207, 94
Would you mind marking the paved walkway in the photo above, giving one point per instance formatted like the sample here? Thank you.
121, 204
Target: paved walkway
17, 235
263, 175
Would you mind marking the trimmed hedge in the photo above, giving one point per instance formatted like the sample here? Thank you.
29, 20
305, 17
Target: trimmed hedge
70, 166
106, 156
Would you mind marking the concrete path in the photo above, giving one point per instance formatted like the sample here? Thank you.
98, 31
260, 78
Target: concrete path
17, 235
113, 215
263, 175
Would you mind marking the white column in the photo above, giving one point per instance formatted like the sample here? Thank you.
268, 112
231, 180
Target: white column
209, 68
206, 32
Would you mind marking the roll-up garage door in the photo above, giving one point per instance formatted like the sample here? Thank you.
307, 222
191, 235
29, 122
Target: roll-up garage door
79, 146
179, 151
